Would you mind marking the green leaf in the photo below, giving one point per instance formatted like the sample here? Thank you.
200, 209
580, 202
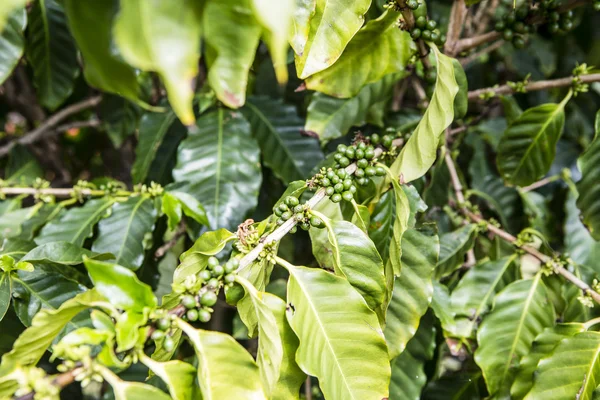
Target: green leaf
521, 311
191, 207
580, 245
126, 230
382, 223
378, 49
45, 326
16, 248
220, 162
63, 253
43, 288
571, 372
278, 130
413, 289
231, 34
270, 348
178, 375
172, 209
453, 248
124, 390
52, 53
91, 25
355, 258
164, 38
511, 108
461, 101
528, 146
542, 347
120, 286
587, 186
349, 363
76, 224
401, 222
153, 129
408, 373
330, 118
219, 358
12, 42
291, 376
7, 7
5, 293
331, 25
195, 259
119, 118
473, 295
419, 153
276, 20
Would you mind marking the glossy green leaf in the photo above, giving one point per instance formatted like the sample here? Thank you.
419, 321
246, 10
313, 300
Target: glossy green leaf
219, 161
473, 295
528, 146
542, 347
580, 245
382, 223
511, 108
278, 130
219, 358
52, 53
413, 289
231, 34
46, 325
34, 222
331, 25
124, 390
6, 8
91, 25
588, 201
12, 42
178, 375
153, 129
453, 248
378, 49
16, 248
403, 214
330, 118
571, 372
44, 287
5, 293
349, 363
191, 207
355, 258
521, 312
270, 348
461, 101
164, 38
63, 253
120, 286
408, 373
75, 225
276, 20
172, 209
419, 153
291, 376
126, 231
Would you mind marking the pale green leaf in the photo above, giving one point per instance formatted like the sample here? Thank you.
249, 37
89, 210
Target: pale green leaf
220, 162
378, 49
331, 26
7, 7
179, 376
5, 293
589, 200
63, 253
419, 153
172, 209
521, 312
220, 358
349, 363
124, 390
453, 248
163, 37
12, 42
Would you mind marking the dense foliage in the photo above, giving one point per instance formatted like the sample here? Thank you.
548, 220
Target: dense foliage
246, 199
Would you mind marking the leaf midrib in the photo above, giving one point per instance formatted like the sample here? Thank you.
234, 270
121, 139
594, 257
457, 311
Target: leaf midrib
594, 361
92, 217
219, 161
129, 222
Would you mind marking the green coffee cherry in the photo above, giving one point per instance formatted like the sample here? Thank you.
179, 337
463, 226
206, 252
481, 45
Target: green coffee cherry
379, 171
347, 195
507, 34
168, 343
329, 191
213, 262
291, 201
375, 138
341, 173
188, 301
359, 173
283, 207
299, 209
426, 35
421, 22
316, 222
204, 275
347, 183
369, 153
336, 198
213, 283
157, 335
341, 148
229, 278
204, 316
163, 324
431, 24
325, 182
359, 154
192, 315
208, 299
350, 152
387, 141
294, 229
344, 161
370, 171
339, 187
286, 215
305, 226
218, 271
352, 189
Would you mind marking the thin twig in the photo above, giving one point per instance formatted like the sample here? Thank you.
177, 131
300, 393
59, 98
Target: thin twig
308, 388
57, 192
162, 250
38, 133
492, 47
455, 26
533, 86
540, 183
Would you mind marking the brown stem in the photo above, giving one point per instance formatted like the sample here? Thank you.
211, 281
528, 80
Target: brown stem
162, 250
308, 388
455, 26
57, 192
540, 183
533, 86
494, 46
48, 124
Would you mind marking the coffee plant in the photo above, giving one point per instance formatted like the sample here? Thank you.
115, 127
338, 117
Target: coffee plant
299, 199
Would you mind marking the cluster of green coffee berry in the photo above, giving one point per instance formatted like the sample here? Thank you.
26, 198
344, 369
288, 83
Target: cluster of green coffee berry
291, 208
560, 23
198, 294
428, 31
514, 27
